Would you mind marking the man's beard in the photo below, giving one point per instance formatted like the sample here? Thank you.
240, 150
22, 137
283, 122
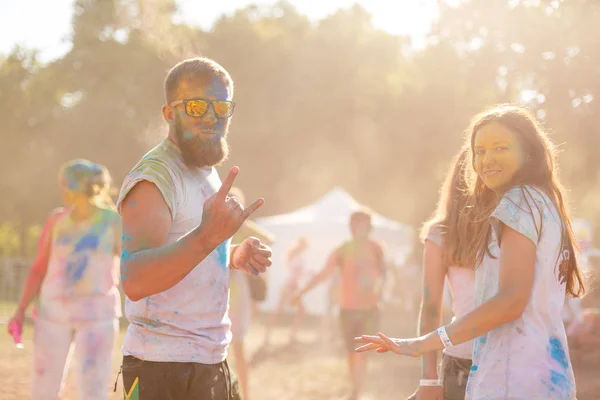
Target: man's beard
201, 152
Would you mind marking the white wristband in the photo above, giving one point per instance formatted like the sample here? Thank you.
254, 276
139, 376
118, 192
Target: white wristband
444, 337
430, 382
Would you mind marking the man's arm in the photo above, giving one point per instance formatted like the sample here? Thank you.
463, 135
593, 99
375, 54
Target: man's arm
323, 275
148, 264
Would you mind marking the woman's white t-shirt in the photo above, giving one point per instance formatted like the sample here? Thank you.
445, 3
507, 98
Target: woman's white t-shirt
527, 358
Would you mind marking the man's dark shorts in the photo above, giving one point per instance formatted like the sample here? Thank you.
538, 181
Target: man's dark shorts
356, 323
149, 380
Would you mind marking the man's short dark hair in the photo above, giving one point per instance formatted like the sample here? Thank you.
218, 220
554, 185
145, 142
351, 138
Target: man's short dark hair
201, 68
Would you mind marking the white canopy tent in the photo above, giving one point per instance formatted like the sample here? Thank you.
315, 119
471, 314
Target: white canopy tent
325, 225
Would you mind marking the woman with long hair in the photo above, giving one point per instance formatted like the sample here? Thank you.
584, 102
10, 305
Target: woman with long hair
440, 255
518, 234
75, 274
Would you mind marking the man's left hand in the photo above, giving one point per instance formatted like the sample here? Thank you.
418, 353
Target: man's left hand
251, 256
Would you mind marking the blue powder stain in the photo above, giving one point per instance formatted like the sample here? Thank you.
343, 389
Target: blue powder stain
557, 352
482, 340
125, 255
133, 203
89, 362
474, 368
75, 268
223, 252
176, 312
560, 381
89, 242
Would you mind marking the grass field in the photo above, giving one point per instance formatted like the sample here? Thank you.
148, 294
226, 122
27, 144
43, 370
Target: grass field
313, 369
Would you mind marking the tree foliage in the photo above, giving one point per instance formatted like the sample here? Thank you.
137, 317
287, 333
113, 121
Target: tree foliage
337, 102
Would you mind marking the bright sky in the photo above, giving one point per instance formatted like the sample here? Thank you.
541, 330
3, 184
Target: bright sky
45, 24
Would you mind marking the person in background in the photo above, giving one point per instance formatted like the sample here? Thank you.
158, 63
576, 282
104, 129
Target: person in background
75, 273
362, 267
242, 305
440, 265
584, 333
296, 267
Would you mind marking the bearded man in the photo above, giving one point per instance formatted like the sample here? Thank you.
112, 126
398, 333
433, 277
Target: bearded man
178, 220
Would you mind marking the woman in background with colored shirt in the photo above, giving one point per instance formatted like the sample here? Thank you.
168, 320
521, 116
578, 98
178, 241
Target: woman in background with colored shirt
440, 235
75, 273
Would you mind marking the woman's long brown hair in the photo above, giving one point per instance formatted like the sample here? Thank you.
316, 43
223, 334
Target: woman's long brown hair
539, 172
451, 204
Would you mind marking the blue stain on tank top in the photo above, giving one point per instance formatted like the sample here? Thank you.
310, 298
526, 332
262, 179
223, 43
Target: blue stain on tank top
78, 259
223, 252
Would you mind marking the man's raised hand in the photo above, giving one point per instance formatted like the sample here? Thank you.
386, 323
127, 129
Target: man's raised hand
222, 215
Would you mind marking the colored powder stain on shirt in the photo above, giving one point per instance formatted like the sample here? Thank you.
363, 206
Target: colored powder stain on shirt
520, 331
78, 259
223, 256
77, 265
557, 352
474, 368
88, 363
560, 381
87, 242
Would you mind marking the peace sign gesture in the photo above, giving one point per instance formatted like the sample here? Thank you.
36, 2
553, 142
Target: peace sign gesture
222, 215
